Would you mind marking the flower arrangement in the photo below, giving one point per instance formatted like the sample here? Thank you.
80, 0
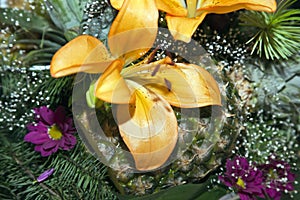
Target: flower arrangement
136, 99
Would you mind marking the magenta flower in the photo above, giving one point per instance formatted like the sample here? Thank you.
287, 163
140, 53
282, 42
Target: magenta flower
245, 179
277, 177
45, 175
52, 131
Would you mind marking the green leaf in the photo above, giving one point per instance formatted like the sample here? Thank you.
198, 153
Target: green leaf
215, 193
186, 192
39, 56
40, 43
66, 15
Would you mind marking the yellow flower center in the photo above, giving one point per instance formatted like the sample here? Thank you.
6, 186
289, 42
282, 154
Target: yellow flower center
273, 174
55, 133
241, 183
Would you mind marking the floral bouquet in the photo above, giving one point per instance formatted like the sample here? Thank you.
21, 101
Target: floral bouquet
150, 99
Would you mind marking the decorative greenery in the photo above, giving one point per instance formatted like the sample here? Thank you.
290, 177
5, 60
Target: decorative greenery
66, 15
277, 35
29, 37
77, 175
98, 16
35, 36
275, 89
23, 89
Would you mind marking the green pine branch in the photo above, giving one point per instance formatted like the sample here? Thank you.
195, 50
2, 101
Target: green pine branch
277, 35
77, 175
27, 89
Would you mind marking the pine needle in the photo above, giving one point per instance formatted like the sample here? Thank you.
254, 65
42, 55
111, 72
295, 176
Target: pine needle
277, 34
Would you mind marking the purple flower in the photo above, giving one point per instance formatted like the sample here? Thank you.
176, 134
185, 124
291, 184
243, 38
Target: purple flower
245, 179
45, 175
277, 177
52, 131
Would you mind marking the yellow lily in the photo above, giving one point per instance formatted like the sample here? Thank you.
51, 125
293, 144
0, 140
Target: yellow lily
129, 38
184, 16
143, 93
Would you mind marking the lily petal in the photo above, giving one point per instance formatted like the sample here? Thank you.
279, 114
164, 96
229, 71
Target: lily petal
134, 30
111, 87
117, 4
148, 128
173, 83
82, 54
182, 28
173, 7
226, 6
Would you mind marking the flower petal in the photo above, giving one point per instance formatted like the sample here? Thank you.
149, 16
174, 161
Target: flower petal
82, 54
36, 138
148, 128
134, 30
69, 142
244, 196
111, 87
48, 151
59, 114
38, 148
117, 4
173, 7
44, 115
173, 83
226, 6
31, 127
39, 127
48, 148
45, 175
51, 144
182, 28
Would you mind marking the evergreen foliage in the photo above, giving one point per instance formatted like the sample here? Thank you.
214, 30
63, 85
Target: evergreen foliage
277, 35
25, 84
77, 175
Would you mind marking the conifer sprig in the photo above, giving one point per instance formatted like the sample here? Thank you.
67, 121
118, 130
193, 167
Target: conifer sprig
277, 34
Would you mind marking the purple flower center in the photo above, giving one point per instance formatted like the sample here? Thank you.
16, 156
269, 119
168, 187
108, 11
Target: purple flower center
55, 132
